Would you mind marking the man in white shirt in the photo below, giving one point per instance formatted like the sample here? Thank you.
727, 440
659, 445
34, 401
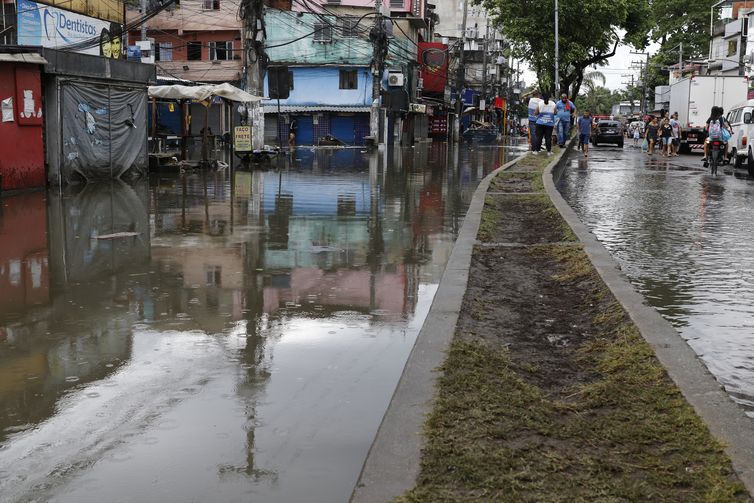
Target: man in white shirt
534, 102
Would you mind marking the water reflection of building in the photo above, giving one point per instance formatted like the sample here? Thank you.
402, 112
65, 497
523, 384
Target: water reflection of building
77, 329
23, 254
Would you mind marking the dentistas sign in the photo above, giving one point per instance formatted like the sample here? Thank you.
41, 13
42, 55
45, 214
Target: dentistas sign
46, 26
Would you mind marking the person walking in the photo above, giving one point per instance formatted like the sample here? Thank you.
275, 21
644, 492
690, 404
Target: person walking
675, 124
565, 109
637, 136
666, 133
532, 107
585, 132
545, 122
651, 135
292, 129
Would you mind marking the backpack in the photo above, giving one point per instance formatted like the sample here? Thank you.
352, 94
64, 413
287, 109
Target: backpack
715, 130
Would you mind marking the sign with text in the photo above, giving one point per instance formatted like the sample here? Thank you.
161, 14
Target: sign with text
42, 25
242, 138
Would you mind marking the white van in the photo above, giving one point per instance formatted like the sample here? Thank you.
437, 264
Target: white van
741, 119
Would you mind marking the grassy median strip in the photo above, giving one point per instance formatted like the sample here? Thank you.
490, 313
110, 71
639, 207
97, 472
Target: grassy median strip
549, 394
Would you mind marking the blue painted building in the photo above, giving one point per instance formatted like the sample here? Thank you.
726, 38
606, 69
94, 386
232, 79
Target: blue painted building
324, 100
329, 59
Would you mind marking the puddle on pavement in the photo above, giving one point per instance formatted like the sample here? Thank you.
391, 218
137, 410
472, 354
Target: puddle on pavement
240, 340
683, 238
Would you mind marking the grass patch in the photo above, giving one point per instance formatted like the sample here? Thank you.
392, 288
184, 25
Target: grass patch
517, 181
490, 220
537, 162
620, 430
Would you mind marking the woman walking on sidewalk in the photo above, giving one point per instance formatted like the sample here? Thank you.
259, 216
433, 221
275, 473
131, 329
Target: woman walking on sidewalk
545, 123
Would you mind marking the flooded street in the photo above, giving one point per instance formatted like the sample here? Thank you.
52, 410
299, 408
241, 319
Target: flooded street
684, 239
223, 336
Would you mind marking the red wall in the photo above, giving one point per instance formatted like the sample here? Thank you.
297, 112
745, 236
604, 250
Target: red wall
433, 58
22, 162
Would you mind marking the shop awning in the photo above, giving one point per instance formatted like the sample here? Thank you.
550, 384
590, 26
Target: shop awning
23, 57
178, 92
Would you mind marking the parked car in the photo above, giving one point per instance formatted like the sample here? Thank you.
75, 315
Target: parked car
741, 119
607, 131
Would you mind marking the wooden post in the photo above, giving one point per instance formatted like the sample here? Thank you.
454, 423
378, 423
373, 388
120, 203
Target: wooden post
205, 153
184, 127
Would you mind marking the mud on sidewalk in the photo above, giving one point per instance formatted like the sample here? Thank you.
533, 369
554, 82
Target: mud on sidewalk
549, 393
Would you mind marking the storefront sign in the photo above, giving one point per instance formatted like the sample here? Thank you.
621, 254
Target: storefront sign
242, 138
42, 25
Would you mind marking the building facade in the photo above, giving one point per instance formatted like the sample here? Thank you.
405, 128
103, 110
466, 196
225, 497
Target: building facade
200, 40
329, 55
73, 109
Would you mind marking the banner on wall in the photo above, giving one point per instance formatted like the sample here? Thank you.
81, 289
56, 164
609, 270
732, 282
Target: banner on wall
46, 26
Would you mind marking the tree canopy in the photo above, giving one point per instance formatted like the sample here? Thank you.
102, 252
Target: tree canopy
589, 34
591, 30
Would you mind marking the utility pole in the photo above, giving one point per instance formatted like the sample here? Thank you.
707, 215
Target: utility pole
484, 67
557, 51
253, 17
143, 5
461, 77
643, 66
378, 67
629, 85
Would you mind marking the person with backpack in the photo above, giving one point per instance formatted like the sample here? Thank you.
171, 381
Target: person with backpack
714, 128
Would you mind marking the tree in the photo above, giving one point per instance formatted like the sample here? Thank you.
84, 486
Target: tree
598, 100
676, 22
588, 34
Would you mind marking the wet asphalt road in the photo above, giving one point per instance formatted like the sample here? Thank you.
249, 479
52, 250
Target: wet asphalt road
685, 239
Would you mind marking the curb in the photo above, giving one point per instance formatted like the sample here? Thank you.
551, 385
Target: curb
725, 420
394, 459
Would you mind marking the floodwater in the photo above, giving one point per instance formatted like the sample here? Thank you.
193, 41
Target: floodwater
684, 239
225, 336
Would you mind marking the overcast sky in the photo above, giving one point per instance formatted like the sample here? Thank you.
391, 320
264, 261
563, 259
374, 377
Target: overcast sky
617, 66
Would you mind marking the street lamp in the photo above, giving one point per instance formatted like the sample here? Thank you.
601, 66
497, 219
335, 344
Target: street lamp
557, 70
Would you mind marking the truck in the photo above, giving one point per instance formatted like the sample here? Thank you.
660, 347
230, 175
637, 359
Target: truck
693, 99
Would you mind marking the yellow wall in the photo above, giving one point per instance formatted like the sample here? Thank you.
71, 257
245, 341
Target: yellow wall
111, 10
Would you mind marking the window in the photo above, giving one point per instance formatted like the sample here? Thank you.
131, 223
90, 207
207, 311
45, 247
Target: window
322, 32
397, 3
210, 4
213, 274
349, 79
163, 51
349, 27
290, 80
732, 47
220, 51
194, 51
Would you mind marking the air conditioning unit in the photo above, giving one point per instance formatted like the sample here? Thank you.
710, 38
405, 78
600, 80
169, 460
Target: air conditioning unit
395, 79
418, 108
